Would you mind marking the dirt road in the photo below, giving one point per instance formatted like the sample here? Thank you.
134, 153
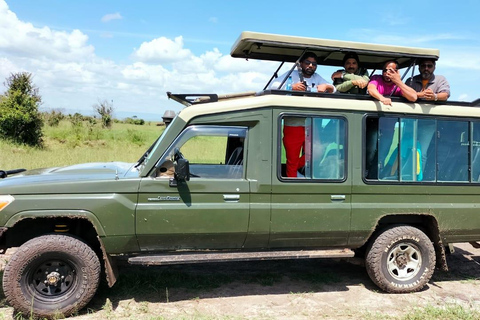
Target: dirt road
299, 289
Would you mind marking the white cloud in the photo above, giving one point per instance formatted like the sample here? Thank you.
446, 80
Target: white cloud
229, 64
112, 16
22, 39
70, 76
7, 67
162, 50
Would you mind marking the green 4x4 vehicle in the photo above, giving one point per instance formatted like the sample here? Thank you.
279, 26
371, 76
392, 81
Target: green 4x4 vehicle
214, 187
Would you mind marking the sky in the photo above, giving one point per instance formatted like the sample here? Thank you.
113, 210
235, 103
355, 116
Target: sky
130, 53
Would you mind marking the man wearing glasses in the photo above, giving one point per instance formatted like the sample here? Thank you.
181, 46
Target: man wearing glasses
312, 80
429, 86
390, 84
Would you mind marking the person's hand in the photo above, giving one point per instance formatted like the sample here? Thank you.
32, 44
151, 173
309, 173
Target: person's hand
324, 87
428, 94
386, 101
337, 74
299, 86
361, 83
394, 76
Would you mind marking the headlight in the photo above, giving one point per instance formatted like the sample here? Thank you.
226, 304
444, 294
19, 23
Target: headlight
5, 201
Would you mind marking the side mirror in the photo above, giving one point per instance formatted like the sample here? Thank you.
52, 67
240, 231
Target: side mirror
182, 170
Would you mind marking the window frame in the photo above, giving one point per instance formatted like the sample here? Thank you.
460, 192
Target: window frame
189, 132
279, 146
470, 134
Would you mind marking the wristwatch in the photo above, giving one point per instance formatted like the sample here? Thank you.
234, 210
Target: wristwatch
435, 97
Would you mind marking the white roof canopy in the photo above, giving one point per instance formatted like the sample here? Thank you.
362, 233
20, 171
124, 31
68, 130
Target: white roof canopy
264, 46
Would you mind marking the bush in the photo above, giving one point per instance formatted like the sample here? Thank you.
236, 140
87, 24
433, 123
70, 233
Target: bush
105, 110
136, 137
53, 117
20, 120
76, 120
136, 121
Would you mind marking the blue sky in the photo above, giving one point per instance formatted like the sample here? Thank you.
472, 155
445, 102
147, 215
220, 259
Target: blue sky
132, 52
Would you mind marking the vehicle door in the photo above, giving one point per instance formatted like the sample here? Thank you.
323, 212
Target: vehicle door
209, 211
311, 189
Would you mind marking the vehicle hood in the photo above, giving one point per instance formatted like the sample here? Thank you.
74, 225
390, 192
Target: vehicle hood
55, 179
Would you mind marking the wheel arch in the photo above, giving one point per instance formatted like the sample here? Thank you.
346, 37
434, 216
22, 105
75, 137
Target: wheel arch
80, 224
425, 222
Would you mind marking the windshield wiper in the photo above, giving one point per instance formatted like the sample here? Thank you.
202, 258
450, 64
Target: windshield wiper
5, 173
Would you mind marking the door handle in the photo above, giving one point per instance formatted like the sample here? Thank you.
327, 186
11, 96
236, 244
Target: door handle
337, 197
231, 197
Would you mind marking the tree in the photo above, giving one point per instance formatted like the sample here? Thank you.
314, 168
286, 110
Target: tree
105, 110
20, 119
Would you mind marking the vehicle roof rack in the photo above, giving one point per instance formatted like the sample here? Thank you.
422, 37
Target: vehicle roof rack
192, 98
188, 99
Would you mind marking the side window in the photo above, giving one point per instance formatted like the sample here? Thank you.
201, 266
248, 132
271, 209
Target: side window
201, 149
328, 149
313, 148
476, 152
214, 152
423, 150
452, 151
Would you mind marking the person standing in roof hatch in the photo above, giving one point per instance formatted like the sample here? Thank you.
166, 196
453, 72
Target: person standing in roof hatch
428, 85
352, 79
390, 84
313, 80
294, 127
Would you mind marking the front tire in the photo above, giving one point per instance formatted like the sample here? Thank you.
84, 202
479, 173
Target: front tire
51, 275
401, 260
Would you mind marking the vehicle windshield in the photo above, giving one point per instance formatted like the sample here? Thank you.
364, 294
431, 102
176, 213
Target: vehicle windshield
148, 155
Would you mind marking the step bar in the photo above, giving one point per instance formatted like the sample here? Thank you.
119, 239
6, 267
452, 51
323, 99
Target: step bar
220, 256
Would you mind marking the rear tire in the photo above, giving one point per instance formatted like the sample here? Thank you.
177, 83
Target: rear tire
50, 276
401, 260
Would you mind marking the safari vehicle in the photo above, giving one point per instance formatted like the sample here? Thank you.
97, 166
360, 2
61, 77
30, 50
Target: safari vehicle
213, 187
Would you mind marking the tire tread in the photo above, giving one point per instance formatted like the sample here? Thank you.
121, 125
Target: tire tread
43, 244
373, 261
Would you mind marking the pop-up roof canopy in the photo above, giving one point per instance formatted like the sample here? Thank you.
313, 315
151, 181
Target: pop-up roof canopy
264, 46
273, 47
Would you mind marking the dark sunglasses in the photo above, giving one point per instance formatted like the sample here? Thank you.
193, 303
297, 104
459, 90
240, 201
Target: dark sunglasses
310, 63
427, 65
385, 70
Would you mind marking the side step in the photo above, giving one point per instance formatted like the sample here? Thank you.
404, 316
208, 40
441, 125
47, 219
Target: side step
219, 256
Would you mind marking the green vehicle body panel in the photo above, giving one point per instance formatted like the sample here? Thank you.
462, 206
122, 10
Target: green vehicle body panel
32, 214
134, 212
78, 193
197, 217
303, 213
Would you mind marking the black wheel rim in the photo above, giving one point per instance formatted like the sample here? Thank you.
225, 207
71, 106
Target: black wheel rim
51, 279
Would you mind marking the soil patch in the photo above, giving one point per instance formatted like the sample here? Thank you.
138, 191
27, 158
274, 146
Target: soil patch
293, 289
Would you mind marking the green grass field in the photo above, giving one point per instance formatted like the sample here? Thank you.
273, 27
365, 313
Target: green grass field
68, 144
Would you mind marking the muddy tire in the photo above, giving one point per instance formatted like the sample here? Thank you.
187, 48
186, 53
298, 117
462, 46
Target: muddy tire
401, 259
50, 276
